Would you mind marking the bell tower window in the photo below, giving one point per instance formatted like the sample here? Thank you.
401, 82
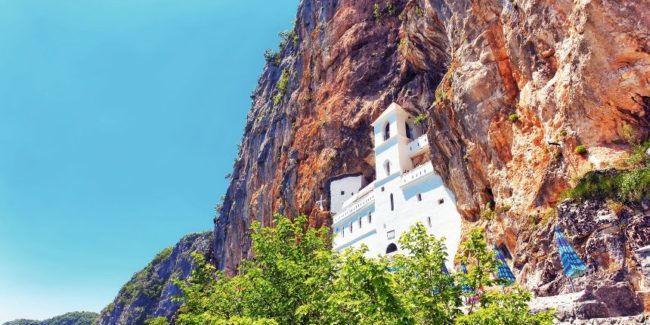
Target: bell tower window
387, 131
409, 131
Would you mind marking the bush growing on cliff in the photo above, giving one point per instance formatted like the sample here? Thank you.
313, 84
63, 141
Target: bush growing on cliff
421, 118
281, 87
272, 57
376, 12
623, 185
581, 150
639, 156
295, 278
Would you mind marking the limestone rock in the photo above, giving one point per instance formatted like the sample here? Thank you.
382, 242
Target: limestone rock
149, 293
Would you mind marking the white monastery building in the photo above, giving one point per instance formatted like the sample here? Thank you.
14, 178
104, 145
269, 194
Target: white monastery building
407, 190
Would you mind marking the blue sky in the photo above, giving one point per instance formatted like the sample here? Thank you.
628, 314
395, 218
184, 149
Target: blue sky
118, 122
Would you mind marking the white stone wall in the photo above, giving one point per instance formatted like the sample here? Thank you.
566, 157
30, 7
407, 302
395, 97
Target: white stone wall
342, 189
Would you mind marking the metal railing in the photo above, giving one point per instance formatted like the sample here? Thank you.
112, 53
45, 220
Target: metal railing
359, 204
417, 173
417, 145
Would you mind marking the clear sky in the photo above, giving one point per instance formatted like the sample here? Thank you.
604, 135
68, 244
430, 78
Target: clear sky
118, 122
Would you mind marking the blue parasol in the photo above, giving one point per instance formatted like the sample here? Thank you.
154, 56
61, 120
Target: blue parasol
572, 265
504, 272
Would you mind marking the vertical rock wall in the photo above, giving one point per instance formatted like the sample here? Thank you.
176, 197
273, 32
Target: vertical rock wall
510, 87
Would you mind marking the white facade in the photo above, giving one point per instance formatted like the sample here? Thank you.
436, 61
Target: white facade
342, 189
407, 190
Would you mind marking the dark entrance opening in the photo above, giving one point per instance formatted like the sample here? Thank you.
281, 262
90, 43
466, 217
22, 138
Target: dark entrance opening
392, 248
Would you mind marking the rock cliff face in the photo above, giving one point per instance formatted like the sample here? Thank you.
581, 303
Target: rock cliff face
510, 88
149, 293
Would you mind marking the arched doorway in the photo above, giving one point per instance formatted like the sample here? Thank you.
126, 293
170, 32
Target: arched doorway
392, 248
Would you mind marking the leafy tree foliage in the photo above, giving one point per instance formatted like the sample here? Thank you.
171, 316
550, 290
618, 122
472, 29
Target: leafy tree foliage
429, 292
505, 308
295, 278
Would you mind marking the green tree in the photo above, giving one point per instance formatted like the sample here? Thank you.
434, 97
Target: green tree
292, 264
295, 278
430, 293
506, 309
363, 292
480, 263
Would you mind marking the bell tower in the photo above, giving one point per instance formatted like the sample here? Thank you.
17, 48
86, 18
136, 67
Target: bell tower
393, 132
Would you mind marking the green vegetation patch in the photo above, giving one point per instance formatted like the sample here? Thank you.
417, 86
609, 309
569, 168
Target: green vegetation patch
294, 277
421, 118
281, 87
581, 149
146, 282
630, 185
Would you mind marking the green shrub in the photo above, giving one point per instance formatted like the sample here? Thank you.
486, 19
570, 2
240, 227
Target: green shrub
487, 214
421, 118
418, 11
513, 118
281, 87
440, 96
162, 255
635, 184
157, 321
390, 8
624, 185
506, 308
629, 134
639, 156
376, 12
581, 149
272, 57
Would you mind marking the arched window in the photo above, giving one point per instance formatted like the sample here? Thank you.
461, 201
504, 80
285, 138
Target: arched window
392, 203
387, 167
409, 131
387, 131
350, 227
360, 223
392, 248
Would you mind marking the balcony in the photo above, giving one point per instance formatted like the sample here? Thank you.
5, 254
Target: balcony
367, 189
363, 201
417, 173
418, 145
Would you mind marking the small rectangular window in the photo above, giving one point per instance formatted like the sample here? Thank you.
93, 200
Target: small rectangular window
342, 192
369, 218
441, 201
419, 197
429, 221
390, 234
350, 227
360, 222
